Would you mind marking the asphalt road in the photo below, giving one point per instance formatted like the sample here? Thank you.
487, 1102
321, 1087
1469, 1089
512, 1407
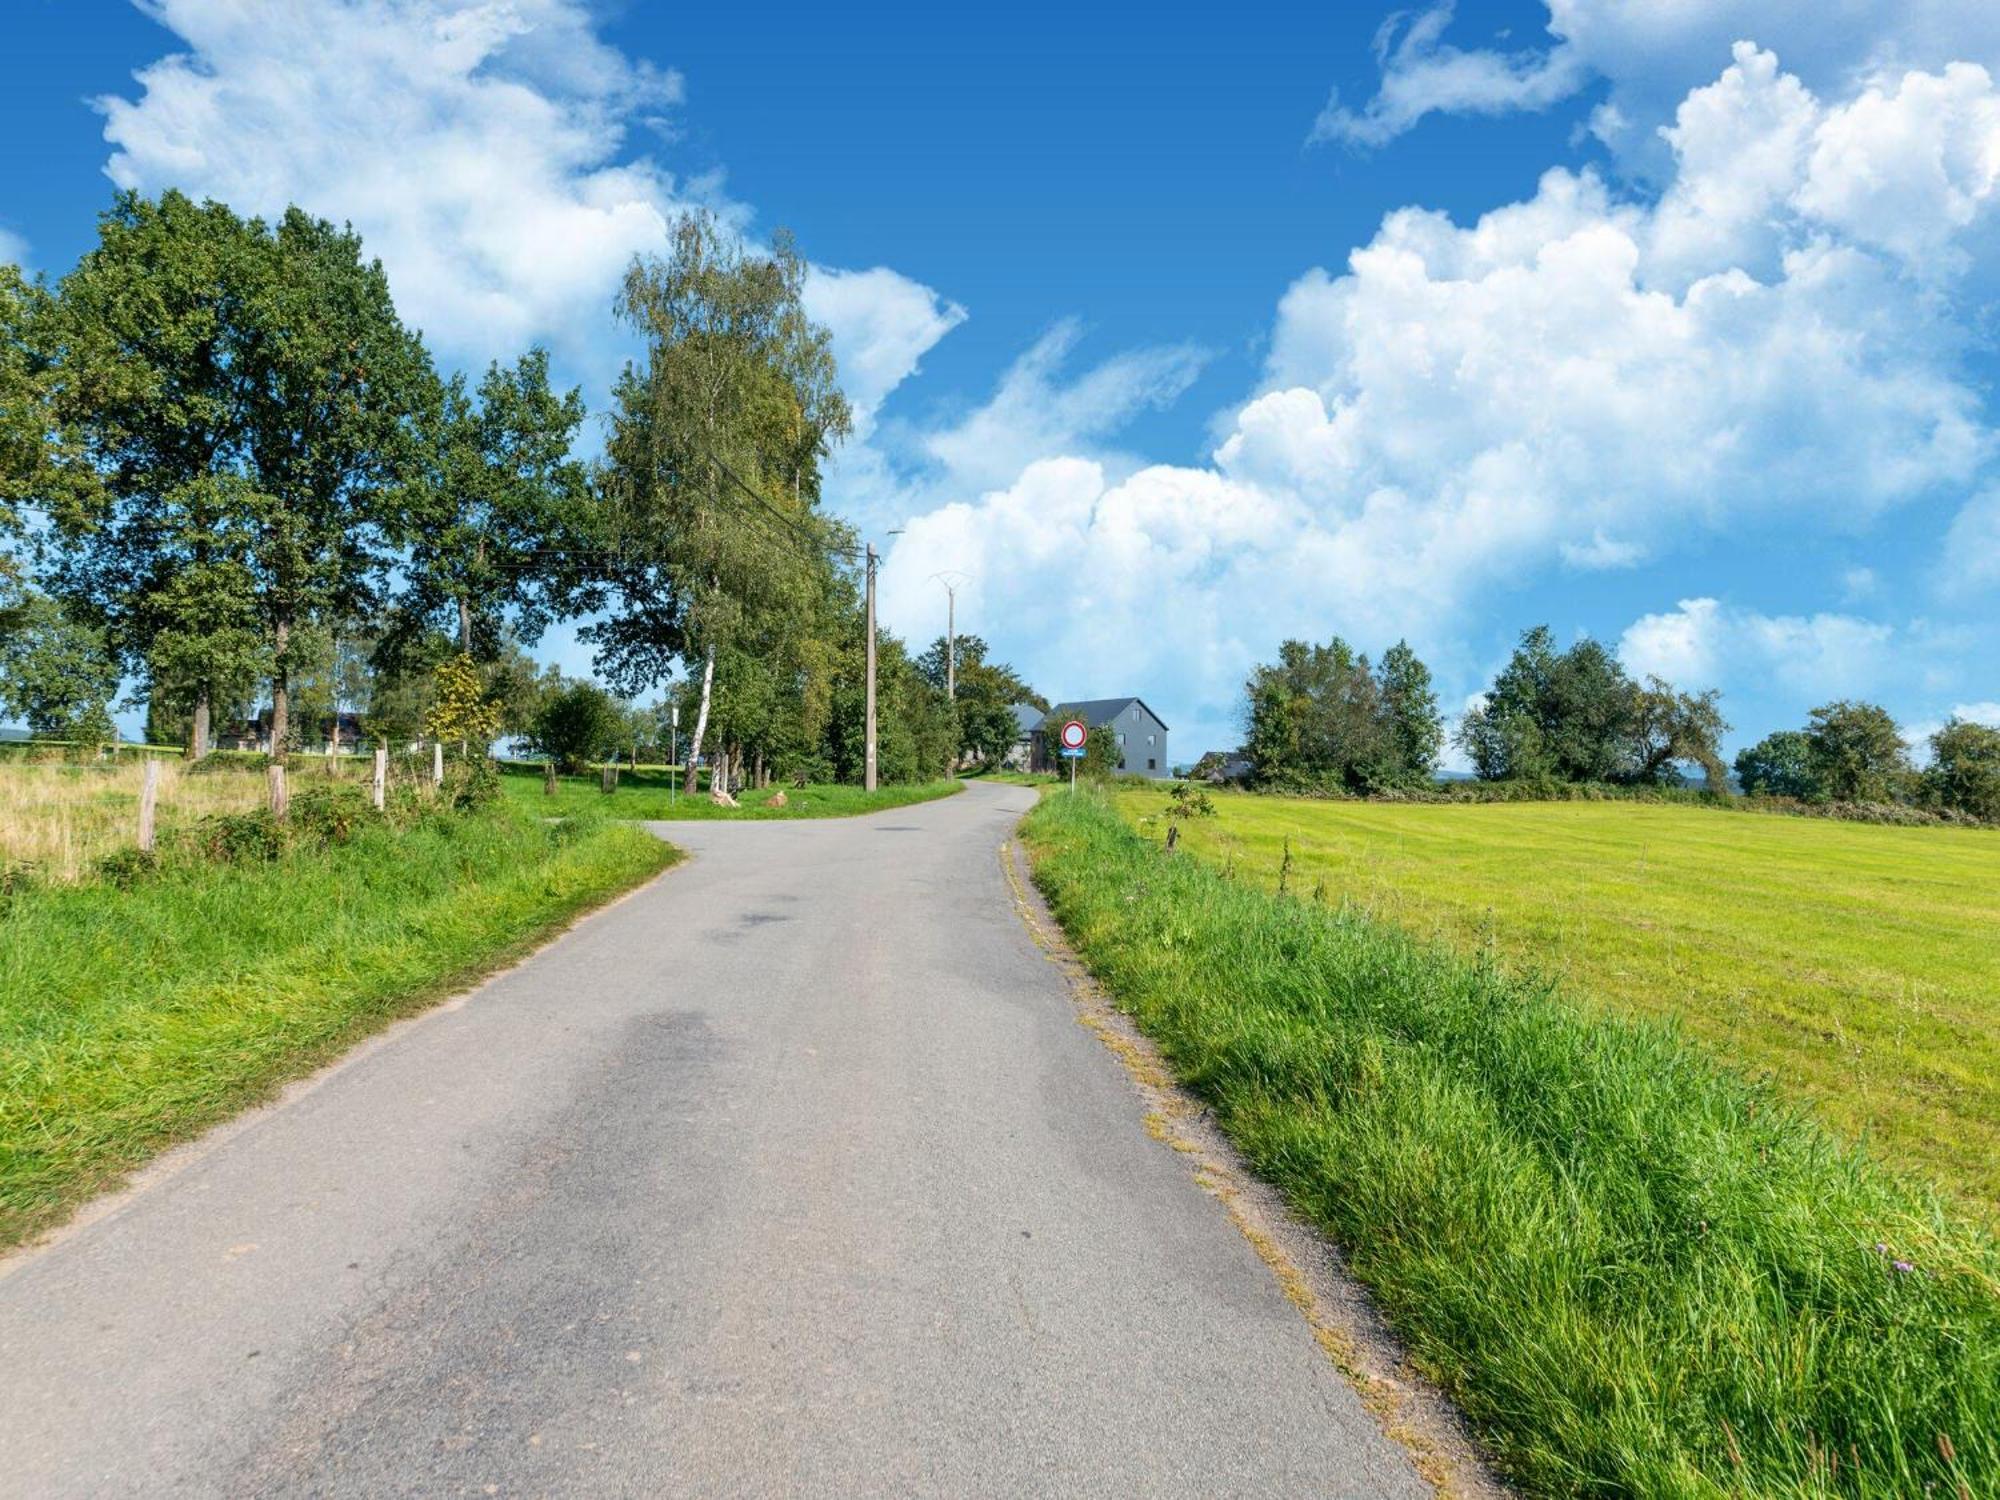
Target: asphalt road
792, 1174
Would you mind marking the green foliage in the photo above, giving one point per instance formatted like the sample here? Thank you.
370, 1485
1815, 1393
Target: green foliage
577, 725
1636, 1273
1575, 716
987, 694
1964, 773
1187, 800
252, 400
1856, 753
56, 672
1779, 765
42, 455
711, 470
1320, 716
1410, 713
496, 508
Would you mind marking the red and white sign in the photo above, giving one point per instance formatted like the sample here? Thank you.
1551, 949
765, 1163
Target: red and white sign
1074, 734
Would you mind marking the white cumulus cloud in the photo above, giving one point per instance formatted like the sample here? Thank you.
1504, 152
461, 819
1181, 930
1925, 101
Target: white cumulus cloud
1580, 379
1703, 643
1652, 55
496, 154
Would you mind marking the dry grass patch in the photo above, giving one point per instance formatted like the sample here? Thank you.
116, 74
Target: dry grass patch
60, 819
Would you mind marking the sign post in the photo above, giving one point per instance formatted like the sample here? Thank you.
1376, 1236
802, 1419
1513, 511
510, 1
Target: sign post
1075, 737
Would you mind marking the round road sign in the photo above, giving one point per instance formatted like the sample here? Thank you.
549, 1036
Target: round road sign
1074, 734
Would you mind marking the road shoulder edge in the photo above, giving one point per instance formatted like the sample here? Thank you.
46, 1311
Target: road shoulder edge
177, 1159
1308, 1268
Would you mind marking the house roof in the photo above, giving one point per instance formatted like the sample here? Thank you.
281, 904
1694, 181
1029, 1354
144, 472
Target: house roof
1096, 711
1027, 719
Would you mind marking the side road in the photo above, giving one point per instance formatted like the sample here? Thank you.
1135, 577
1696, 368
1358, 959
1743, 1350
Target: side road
792, 1174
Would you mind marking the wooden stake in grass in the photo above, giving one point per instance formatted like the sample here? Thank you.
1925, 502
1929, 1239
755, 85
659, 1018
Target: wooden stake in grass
437, 762
607, 779
280, 802
149, 791
381, 788
548, 778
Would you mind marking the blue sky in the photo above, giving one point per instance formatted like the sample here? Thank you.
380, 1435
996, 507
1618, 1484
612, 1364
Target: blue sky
1183, 333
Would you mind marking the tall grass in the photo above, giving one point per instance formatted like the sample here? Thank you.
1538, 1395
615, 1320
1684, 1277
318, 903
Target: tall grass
1637, 1273
59, 819
134, 1016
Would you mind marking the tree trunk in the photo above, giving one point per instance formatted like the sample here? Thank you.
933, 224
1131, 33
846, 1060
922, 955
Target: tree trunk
700, 722
464, 625
281, 694
198, 731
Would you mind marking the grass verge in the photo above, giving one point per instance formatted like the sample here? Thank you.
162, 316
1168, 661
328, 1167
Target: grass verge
1856, 964
648, 795
1636, 1273
132, 1018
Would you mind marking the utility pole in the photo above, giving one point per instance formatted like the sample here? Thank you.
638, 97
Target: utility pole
951, 582
868, 762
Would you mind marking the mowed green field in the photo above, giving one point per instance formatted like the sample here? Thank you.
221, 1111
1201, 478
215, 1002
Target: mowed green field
1858, 965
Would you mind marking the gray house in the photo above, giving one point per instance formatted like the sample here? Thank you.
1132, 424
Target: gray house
1020, 755
1142, 737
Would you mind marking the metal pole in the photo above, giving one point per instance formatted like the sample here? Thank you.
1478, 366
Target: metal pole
673, 749
950, 643
868, 752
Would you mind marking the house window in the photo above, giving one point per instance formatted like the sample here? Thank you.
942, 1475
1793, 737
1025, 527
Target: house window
1149, 763
1121, 741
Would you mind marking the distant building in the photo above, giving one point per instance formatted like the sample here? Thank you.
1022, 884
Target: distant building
1222, 767
1027, 723
1142, 736
308, 736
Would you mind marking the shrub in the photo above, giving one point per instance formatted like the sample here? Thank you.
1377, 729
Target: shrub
1964, 773
577, 724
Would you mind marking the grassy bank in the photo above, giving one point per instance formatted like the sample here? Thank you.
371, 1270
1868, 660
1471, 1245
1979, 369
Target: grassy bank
649, 793
1858, 965
132, 1018
1636, 1273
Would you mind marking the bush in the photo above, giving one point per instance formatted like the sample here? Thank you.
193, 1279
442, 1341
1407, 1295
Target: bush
1964, 773
577, 725
471, 782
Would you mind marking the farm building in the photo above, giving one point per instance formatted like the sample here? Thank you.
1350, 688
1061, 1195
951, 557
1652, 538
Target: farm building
1142, 736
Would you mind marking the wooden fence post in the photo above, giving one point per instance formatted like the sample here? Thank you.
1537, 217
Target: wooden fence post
149, 791
280, 803
381, 777
437, 762
549, 779
607, 779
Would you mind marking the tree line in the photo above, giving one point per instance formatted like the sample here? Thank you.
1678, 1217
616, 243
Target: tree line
232, 475
1321, 717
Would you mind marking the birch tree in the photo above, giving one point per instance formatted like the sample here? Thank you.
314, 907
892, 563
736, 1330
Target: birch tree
711, 474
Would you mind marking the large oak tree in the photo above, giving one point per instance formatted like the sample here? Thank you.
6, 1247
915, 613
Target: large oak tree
253, 405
